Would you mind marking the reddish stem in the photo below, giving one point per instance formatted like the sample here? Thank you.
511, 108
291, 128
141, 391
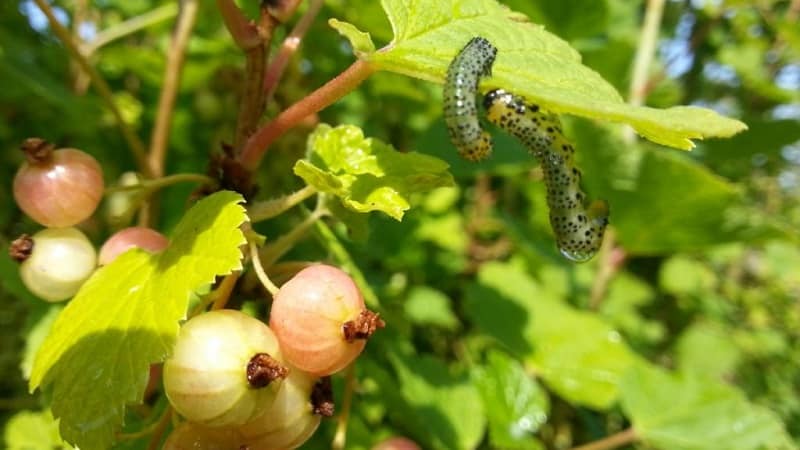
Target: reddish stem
624, 437
289, 46
244, 32
318, 100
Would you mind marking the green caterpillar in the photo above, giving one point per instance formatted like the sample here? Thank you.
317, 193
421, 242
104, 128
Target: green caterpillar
579, 229
460, 88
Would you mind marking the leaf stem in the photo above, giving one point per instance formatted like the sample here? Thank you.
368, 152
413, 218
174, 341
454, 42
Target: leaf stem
273, 252
274, 207
172, 75
262, 276
288, 47
130, 26
340, 438
615, 440
153, 185
323, 97
134, 142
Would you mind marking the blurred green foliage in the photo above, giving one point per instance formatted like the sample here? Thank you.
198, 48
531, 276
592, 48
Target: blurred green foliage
688, 330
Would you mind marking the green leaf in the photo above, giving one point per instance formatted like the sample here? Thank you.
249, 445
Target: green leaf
576, 353
29, 430
429, 307
681, 275
515, 404
446, 407
706, 349
686, 412
622, 306
360, 41
560, 18
664, 201
367, 174
125, 317
35, 337
530, 62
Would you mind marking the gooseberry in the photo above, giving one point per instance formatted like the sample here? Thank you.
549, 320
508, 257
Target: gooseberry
55, 262
191, 436
57, 188
226, 369
123, 240
293, 417
320, 320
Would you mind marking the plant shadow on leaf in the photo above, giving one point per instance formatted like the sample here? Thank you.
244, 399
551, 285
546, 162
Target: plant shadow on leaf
95, 359
443, 408
500, 317
126, 316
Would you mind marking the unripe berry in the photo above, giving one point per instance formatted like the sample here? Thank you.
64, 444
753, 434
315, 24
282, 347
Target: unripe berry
397, 443
57, 188
320, 320
293, 417
57, 263
191, 436
123, 240
121, 205
225, 370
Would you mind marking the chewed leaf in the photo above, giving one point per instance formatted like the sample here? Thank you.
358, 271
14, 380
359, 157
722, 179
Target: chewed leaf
530, 62
367, 174
97, 356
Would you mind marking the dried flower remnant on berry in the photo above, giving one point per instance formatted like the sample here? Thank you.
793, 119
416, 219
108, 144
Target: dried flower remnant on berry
263, 369
21, 248
363, 326
322, 397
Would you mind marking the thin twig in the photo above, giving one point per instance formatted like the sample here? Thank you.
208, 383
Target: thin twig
172, 76
645, 51
794, 11
326, 95
644, 57
130, 26
340, 438
134, 142
615, 440
288, 47
223, 293
611, 259
158, 431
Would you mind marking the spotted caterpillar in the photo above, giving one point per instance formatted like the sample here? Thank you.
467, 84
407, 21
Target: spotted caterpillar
579, 229
460, 88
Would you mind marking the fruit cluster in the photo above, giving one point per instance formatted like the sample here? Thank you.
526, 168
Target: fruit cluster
239, 382
59, 188
244, 384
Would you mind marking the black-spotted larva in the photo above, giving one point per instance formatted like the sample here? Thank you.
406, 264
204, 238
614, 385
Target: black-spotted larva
460, 88
579, 229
